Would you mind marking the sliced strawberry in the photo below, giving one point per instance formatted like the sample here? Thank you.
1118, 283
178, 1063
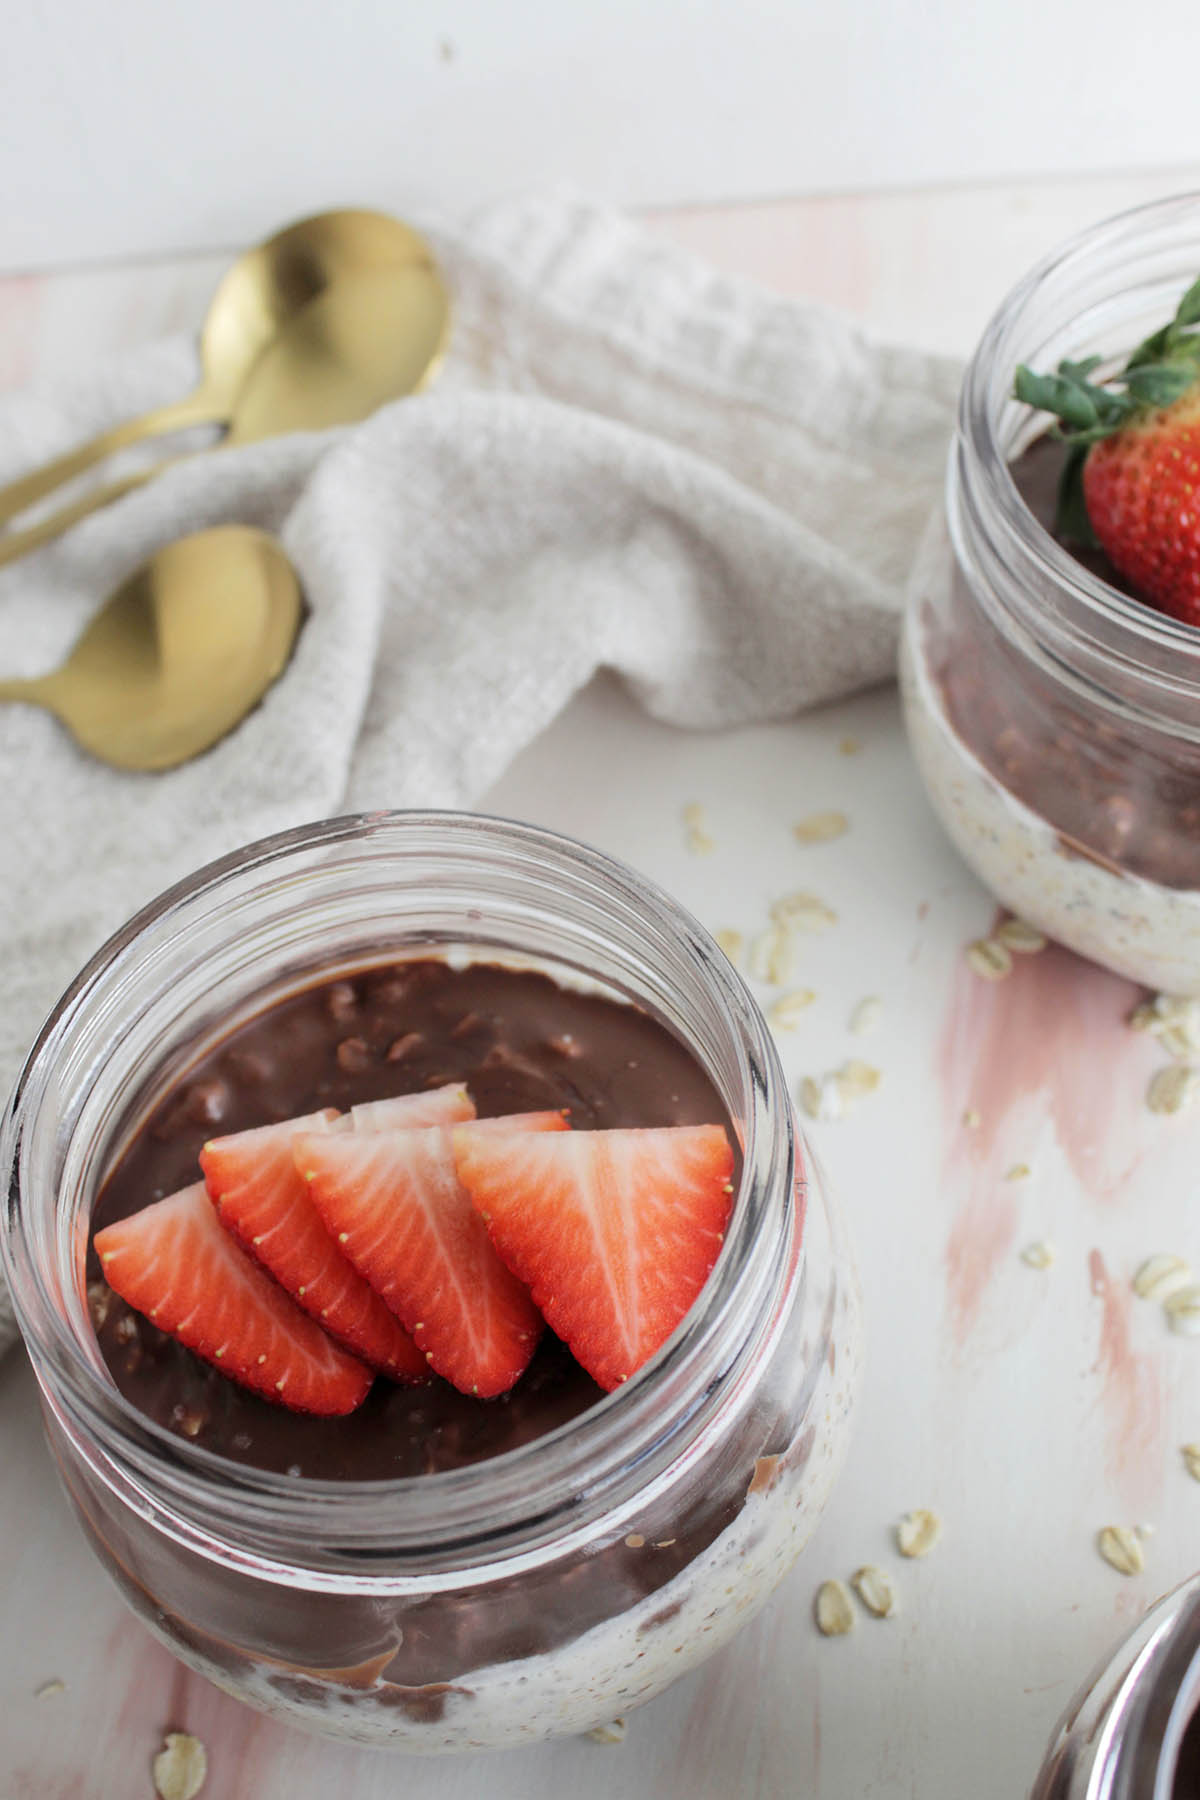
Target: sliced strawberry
449, 1105
397, 1210
613, 1232
252, 1181
174, 1263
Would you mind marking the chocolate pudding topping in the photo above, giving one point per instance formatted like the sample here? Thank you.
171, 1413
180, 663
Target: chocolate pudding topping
521, 1043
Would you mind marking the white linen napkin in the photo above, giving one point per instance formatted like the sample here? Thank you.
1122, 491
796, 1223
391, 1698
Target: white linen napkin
627, 461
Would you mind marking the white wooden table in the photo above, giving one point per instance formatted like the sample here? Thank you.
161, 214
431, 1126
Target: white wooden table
1028, 1407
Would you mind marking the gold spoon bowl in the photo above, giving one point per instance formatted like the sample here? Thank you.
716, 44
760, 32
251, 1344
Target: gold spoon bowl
278, 309
180, 653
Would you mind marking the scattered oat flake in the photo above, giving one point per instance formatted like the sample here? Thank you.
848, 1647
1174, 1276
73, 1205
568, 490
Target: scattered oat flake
856, 1078
874, 1588
1121, 1549
850, 746
612, 1733
989, 958
180, 1768
696, 825
732, 943
802, 912
866, 1015
1016, 935
49, 1688
1018, 1172
635, 1541
1191, 1460
918, 1532
821, 828
1038, 1255
1160, 1276
785, 1014
1183, 1311
773, 955
1174, 1021
832, 1610
828, 1096
972, 1119
822, 1099
1172, 1088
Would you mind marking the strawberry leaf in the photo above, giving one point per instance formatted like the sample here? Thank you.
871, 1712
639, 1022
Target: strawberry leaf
1068, 398
1160, 384
1071, 519
1188, 311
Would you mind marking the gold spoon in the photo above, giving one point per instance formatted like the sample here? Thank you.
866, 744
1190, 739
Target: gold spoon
256, 304
180, 653
368, 339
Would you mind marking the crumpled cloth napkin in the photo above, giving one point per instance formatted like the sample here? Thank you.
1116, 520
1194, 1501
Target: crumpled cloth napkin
627, 461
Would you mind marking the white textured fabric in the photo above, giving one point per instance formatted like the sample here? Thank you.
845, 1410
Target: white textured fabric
627, 461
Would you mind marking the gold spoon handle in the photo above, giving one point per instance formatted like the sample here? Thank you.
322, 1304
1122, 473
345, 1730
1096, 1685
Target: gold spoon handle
199, 408
15, 544
22, 688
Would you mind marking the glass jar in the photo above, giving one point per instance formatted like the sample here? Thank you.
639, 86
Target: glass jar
1132, 1732
1055, 720
553, 1587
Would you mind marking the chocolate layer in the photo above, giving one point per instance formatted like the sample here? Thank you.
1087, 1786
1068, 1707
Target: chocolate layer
521, 1043
1116, 789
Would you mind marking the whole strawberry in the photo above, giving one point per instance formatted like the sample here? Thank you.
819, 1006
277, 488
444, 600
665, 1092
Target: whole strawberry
1131, 482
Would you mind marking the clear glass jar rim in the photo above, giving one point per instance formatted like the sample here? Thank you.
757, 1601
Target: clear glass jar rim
984, 464
552, 1472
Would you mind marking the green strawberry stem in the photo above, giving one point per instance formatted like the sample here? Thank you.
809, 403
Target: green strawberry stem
1159, 372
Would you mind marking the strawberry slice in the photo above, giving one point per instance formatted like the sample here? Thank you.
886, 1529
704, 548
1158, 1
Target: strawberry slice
252, 1180
397, 1210
449, 1105
174, 1263
613, 1232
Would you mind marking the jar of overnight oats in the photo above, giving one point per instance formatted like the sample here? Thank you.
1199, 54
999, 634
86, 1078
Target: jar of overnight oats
433, 1572
1055, 718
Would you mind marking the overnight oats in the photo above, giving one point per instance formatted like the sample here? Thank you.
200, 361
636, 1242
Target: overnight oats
1052, 697
444, 1338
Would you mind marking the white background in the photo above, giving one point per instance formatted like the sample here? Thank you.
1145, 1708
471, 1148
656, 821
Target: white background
149, 126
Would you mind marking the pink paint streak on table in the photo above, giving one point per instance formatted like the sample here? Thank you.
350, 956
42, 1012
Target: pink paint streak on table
1030, 1407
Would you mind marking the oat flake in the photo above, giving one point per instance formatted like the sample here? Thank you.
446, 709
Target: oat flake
180, 1768
802, 912
1183, 1311
850, 746
1018, 1172
1038, 1255
785, 1014
1121, 1549
49, 1688
1016, 935
972, 1119
856, 1078
918, 1532
1172, 1088
1191, 1460
874, 1588
866, 1015
832, 1610
822, 1099
821, 828
696, 826
612, 1733
989, 958
773, 955
1161, 1276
